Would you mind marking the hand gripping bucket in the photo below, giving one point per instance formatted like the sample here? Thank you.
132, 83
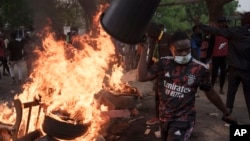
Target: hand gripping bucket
127, 20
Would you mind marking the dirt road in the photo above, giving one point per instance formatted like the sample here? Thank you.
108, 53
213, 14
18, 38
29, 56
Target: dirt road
209, 126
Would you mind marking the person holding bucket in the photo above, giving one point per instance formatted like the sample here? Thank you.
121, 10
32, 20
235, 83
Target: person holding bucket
158, 47
179, 77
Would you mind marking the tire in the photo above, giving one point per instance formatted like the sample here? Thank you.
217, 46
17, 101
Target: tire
63, 130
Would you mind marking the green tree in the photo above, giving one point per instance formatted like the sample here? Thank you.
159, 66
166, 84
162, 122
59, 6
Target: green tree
28, 12
80, 13
15, 13
57, 13
182, 16
90, 8
69, 15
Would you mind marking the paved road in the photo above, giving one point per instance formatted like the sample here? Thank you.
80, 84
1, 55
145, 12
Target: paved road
209, 126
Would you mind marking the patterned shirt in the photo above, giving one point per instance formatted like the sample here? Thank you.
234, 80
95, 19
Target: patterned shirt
177, 87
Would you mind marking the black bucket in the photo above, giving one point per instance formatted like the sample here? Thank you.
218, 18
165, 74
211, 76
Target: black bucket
127, 20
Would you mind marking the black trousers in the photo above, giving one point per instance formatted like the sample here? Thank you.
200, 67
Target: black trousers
4, 62
235, 77
219, 63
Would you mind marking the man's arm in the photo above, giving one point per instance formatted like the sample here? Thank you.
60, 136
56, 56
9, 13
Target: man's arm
226, 32
143, 73
217, 101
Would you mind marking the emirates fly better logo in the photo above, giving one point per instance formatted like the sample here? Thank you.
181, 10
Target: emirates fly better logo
174, 90
191, 79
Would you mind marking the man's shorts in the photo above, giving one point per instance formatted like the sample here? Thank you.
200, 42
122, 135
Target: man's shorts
176, 130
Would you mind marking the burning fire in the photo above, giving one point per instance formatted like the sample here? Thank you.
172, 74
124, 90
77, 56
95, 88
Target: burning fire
66, 79
115, 83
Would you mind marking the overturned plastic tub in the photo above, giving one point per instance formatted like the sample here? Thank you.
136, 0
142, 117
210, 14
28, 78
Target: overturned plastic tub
127, 20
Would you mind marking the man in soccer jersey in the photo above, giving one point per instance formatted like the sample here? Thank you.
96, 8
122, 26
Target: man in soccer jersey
179, 77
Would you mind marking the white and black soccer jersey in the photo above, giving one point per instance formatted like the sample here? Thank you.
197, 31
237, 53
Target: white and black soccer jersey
177, 87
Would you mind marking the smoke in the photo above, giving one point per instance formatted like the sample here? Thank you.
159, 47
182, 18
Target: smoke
44, 13
47, 11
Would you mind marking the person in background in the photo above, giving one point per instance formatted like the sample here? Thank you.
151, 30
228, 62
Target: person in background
6, 70
196, 40
179, 77
28, 49
204, 48
68, 38
15, 58
2, 52
3, 56
6, 40
219, 51
238, 58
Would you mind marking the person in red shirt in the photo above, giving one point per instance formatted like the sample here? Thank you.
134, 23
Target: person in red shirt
219, 55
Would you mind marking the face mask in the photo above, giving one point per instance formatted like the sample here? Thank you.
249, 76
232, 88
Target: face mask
183, 59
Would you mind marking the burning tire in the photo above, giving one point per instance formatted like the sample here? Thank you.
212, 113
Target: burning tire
62, 129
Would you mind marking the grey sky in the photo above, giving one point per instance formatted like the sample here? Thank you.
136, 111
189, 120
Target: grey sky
244, 6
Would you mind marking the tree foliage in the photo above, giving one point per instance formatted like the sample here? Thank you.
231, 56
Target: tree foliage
16, 13
182, 16
69, 15
22, 13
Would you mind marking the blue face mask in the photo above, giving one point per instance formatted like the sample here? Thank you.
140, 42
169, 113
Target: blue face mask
183, 59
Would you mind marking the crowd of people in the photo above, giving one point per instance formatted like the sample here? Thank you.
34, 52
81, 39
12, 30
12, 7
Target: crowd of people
178, 64
15, 56
196, 61
238, 60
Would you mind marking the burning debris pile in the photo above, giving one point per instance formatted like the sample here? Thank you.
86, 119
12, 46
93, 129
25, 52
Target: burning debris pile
65, 80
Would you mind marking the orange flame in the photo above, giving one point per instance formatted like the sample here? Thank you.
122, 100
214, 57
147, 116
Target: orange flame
66, 78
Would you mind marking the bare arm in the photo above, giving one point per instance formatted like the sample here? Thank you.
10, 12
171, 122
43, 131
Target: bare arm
217, 101
143, 73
